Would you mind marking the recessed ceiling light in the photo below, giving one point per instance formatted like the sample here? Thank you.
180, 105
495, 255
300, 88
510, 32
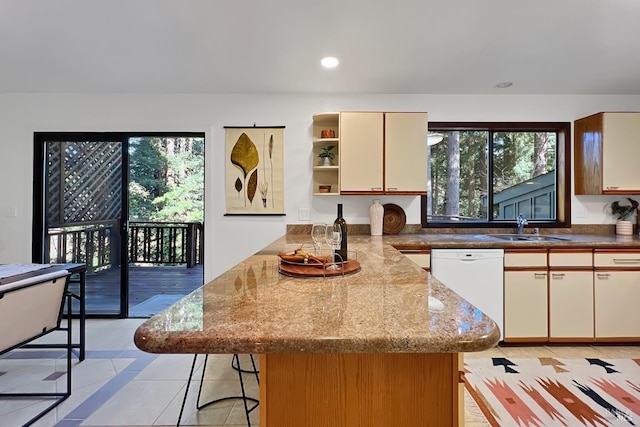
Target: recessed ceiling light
329, 62
504, 85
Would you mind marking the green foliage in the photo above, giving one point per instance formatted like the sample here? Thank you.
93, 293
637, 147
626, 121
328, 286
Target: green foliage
326, 152
624, 211
517, 157
166, 179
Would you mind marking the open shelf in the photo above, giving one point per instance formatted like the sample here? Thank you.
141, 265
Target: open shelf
326, 175
326, 140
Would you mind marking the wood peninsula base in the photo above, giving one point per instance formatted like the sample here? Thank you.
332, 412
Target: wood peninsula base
354, 389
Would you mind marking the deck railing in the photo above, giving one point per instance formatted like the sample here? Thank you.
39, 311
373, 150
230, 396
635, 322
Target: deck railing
149, 243
166, 243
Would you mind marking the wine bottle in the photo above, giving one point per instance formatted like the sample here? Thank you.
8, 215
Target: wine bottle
343, 242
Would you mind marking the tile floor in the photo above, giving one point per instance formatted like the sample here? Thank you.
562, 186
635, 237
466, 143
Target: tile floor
119, 385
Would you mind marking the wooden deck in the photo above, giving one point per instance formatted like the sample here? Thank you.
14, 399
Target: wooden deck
156, 285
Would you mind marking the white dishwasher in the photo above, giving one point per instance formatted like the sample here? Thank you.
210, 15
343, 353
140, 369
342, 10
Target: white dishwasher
477, 275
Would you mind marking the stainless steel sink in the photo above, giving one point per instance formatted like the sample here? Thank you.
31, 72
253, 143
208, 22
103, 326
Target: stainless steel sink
527, 237
538, 237
512, 237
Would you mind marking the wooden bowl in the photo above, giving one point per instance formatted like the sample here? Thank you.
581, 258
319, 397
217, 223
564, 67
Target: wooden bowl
394, 219
324, 189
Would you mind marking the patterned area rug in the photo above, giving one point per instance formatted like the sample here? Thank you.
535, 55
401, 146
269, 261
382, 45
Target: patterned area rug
555, 392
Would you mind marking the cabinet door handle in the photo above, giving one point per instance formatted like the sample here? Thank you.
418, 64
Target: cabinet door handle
603, 276
376, 188
392, 188
540, 275
612, 188
626, 260
557, 275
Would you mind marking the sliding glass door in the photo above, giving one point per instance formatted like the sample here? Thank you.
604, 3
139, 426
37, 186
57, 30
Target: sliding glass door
81, 198
130, 207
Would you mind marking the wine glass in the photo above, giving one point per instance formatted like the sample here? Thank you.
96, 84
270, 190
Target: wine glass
318, 232
333, 237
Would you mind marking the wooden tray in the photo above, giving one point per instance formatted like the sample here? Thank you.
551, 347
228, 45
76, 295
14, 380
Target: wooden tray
300, 270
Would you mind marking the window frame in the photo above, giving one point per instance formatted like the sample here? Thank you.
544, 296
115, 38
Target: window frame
562, 171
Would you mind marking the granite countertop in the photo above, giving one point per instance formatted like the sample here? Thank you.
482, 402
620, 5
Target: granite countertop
489, 240
384, 308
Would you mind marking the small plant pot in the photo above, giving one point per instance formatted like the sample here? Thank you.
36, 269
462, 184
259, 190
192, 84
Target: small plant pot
324, 189
325, 161
624, 228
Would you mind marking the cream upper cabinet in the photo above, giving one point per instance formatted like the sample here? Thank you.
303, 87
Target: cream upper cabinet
606, 149
383, 153
362, 144
405, 152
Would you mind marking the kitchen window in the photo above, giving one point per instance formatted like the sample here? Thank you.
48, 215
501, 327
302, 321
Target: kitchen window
486, 174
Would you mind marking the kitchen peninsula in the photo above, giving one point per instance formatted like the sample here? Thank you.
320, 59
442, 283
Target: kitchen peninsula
377, 348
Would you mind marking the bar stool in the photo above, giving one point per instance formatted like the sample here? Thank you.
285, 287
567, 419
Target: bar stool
235, 364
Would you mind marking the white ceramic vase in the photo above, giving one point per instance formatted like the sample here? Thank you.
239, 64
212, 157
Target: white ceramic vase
376, 214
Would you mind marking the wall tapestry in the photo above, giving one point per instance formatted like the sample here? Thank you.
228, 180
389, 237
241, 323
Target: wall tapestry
254, 168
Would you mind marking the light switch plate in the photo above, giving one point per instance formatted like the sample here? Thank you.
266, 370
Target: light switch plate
304, 214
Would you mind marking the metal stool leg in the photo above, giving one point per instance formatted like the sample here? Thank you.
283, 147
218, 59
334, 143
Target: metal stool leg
235, 364
247, 410
186, 392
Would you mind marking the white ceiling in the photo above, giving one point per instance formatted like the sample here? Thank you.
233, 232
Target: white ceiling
275, 46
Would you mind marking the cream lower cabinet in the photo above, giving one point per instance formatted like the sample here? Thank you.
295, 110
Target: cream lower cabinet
525, 296
617, 295
571, 295
571, 306
422, 257
525, 306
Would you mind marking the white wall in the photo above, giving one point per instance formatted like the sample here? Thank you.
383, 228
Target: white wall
230, 239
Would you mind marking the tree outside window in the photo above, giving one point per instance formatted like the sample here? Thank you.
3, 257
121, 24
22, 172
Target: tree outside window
491, 172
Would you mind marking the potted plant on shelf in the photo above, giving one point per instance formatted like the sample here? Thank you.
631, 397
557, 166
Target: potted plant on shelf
326, 155
623, 212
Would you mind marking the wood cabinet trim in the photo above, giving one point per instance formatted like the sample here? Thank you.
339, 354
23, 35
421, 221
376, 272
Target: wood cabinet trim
613, 340
412, 249
525, 250
525, 340
614, 269
595, 139
525, 268
574, 340
571, 250
614, 250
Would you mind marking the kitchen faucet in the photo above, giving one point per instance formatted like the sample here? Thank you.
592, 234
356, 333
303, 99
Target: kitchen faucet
521, 222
